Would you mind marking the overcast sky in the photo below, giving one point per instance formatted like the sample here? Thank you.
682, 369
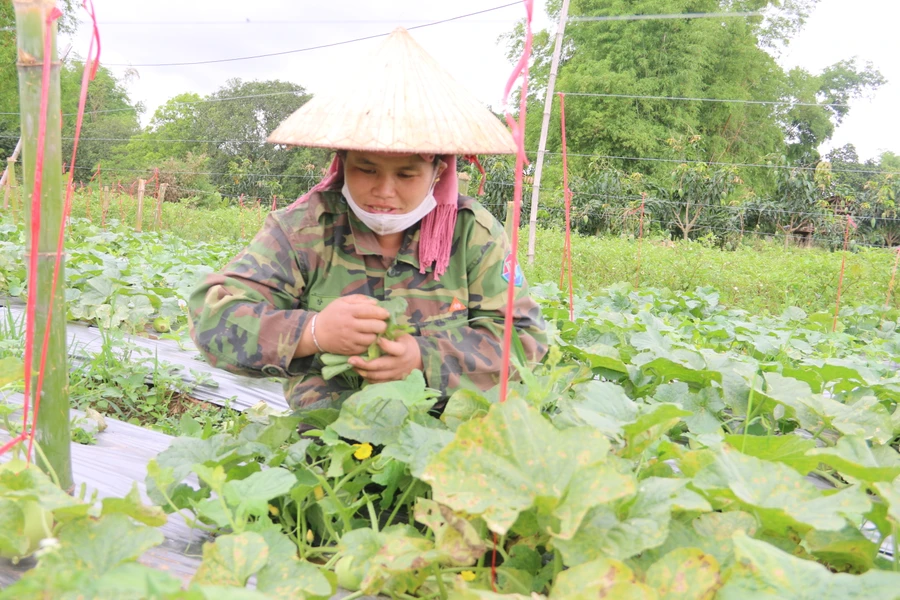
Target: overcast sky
163, 31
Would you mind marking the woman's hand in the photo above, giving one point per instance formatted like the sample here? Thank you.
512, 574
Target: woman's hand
401, 357
347, 326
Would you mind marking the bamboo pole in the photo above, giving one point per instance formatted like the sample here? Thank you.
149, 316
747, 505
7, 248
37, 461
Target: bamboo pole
52, 426
160, 197
139, 223
545, 126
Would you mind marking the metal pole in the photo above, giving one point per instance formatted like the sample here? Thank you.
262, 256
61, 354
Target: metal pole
545, 125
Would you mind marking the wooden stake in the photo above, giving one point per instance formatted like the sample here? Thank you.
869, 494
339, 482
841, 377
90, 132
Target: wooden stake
9, 178
139, 224
104, 205
890, 294
159, 204
837, 307
241, 214
637, 274
463, 180
9, 162
545, 125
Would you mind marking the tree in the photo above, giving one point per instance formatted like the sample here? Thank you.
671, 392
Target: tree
232, 135
693, 58
9, 79
109, 117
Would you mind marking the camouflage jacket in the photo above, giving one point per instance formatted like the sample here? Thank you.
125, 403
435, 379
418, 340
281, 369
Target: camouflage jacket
248, 318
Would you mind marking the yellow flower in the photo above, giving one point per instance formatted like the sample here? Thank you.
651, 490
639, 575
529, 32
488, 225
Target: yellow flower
273, 510
318, 492
363, 451
467, 575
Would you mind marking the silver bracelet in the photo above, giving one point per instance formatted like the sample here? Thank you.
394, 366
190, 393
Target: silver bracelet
312, 328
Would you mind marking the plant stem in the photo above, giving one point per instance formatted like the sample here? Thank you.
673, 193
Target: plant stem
894, 546
440, 582
400, 502
372, 516
749, 411
52, 428
345, 518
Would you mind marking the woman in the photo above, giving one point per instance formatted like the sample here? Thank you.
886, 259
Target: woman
386, 222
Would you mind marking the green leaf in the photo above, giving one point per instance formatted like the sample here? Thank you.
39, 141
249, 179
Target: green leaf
600, 483
100, 545
788, 449
712, 533
273, 435
232, 559
601, 578
652, 423
852, 456
31, 483
509, 461
96, 291
132, 506
777, 494
669, 370
390, 559
600, 356
794, 395
890, 493
253, 493
13, 540
454, 536
133, 581
464, 405
867, 418
376, 414
222, 592
175, 463
630, 526
416, 445
11, 370
290, 580
704, 405
844, 550
685, 574
763, 571
598, 404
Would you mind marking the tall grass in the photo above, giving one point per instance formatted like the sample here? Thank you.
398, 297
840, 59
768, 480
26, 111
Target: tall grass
760, 275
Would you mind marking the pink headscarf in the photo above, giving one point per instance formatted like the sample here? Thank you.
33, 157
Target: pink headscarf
436, 237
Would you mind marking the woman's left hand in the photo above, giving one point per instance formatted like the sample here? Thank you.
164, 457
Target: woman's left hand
401, 357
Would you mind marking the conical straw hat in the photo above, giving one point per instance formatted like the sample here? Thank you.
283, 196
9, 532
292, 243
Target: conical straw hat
401, 100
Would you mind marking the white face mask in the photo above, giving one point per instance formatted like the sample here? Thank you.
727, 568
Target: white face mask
386, 223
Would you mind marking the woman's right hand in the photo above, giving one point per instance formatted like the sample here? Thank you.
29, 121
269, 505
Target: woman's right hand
350, 324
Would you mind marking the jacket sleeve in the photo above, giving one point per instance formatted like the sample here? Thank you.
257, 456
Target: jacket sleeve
473, 350
246, 318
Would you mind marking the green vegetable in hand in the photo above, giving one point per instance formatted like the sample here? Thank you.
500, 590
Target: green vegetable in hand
335, 364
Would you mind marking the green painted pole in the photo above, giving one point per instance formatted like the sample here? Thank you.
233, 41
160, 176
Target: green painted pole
53, 424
